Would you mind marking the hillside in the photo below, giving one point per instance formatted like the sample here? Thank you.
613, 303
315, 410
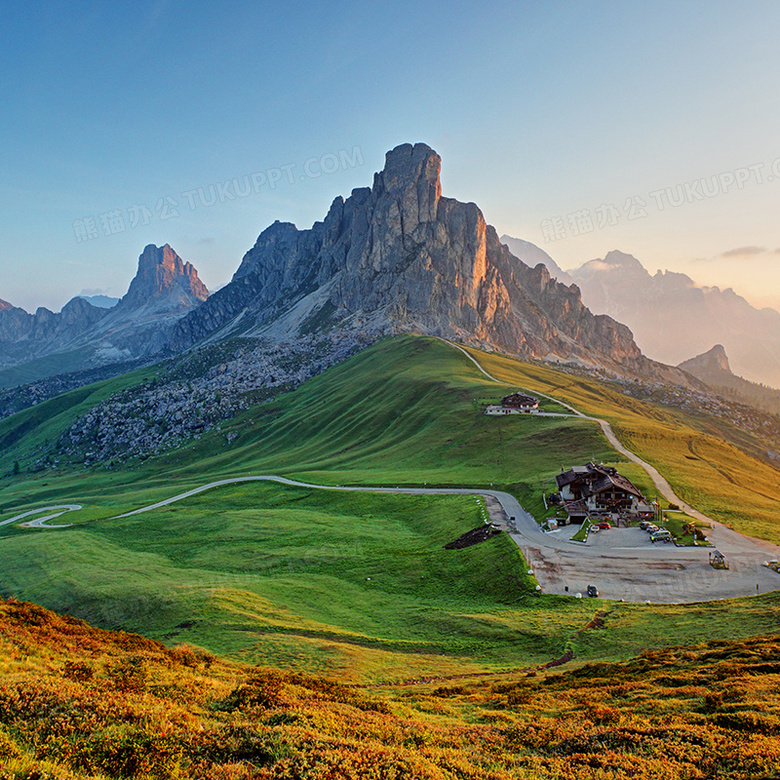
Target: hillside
342, 582
718, 467
77, 702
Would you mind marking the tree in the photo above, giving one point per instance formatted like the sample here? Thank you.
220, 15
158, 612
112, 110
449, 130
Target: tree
17, 468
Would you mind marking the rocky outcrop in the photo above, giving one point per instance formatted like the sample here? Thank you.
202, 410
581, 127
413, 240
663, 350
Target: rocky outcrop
4, 305
713, 363
532, 255
713, 368
164, 281
401, 257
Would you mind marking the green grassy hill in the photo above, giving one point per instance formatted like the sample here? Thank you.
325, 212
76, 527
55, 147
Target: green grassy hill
360, 585
698, 454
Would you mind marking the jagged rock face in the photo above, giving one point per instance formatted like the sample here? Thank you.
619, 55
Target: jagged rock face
402, 256
532, 255
163, 274
4, 305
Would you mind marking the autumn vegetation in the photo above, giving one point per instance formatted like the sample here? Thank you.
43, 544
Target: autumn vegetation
79, 702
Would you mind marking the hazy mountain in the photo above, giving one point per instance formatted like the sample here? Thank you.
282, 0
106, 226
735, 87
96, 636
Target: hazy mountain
25, 336
81, 336
671, 316
4, 305
710, 366
713, 368
401, 257
532, 255
101, 301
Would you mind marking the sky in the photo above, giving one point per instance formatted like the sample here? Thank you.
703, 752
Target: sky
582, 127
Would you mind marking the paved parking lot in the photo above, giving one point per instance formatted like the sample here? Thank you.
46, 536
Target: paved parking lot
624, 564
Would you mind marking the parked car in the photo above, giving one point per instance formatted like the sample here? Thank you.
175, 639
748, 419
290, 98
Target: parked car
593, 591
651, 528
662, 535
604, 526
643, 524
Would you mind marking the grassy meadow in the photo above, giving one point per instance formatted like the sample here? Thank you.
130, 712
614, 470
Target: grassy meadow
357, 585
692, 452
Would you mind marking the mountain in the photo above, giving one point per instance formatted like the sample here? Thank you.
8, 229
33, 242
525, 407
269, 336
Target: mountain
4, 305
712, 365
164, 282
26, 336
712, 368
400, 257
101, 301
532, 255
82, 336
672, 317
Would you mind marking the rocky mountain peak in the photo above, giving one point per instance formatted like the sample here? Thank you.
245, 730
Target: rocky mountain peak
409, 165
163, 274
710, 363
618, 258
619, 265
4, 305
399, 256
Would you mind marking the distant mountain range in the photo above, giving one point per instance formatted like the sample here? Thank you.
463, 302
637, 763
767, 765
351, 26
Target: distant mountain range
84, 335
101, 301
394, 257
672, 318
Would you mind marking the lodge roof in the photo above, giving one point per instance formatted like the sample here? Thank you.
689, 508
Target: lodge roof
519, 399
597, 479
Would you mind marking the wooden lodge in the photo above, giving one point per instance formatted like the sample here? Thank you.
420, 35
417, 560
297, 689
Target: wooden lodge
599, 490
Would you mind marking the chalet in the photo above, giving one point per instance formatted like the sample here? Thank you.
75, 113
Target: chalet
592, 489
524, 403
516, 403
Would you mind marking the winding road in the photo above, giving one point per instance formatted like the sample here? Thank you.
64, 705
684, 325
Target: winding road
42, 522
621, 562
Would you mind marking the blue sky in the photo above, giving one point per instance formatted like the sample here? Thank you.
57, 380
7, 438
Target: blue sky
126, 124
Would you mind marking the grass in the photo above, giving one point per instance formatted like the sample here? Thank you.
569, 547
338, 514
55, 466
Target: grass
582, 534
708, 472
250, 571
676, 521
41, 368
279, 574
